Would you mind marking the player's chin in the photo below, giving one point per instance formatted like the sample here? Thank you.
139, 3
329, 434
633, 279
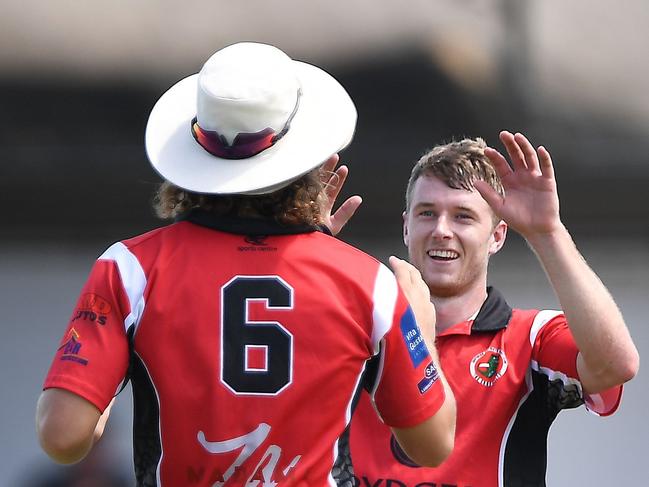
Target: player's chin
442, 286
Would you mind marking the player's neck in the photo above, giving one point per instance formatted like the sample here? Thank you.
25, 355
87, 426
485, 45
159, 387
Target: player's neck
451, 310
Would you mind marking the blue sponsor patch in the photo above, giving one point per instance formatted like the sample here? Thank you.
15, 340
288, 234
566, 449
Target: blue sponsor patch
414, 341
430, 377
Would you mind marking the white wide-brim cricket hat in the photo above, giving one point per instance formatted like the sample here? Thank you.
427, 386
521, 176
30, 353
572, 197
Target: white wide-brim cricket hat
247, 91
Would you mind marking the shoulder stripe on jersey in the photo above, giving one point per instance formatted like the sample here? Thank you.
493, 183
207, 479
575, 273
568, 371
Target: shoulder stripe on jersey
540, 320
385, 298
133, 279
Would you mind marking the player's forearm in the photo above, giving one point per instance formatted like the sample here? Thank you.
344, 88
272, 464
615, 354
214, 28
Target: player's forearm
431, 442
594, 319
442, 425
447, 416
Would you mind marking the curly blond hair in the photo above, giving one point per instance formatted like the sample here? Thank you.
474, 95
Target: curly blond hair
299, 203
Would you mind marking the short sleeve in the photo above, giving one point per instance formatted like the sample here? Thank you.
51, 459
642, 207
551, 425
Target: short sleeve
554, 353
92, 358
407, 389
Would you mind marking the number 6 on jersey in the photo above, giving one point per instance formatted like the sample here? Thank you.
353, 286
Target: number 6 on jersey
241, 337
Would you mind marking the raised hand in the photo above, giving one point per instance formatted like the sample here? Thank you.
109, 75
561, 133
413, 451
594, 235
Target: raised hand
531, 202
334, 179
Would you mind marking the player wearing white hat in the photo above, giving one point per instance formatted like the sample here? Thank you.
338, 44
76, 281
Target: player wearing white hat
244, 327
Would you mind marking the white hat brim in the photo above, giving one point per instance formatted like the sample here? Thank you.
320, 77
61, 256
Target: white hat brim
323, 125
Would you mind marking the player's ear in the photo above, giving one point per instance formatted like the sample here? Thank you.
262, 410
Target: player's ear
404, 215
498, 236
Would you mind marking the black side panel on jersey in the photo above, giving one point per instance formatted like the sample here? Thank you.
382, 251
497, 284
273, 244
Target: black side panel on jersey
343, 469
147, 448
526, 450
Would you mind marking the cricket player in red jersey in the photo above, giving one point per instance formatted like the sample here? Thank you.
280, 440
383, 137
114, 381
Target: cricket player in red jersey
512, 370
245, 327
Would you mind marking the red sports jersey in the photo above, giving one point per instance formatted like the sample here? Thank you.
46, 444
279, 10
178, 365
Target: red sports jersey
245, 343
511, 371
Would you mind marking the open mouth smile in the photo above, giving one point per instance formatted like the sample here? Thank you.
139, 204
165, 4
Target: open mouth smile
443, 255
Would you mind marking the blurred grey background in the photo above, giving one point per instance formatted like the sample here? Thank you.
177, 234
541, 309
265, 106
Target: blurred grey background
77, 80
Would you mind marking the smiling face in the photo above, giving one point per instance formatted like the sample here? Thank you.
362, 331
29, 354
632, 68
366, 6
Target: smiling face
450, 234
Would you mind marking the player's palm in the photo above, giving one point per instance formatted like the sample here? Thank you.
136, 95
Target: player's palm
334, 179
531, 202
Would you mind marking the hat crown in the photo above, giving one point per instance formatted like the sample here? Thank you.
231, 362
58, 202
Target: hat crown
290, 116
245, 90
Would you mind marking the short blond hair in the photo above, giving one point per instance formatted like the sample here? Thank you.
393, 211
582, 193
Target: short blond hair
459, 164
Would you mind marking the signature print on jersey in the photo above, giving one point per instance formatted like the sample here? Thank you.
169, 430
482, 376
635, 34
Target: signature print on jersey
488, 366
263, 473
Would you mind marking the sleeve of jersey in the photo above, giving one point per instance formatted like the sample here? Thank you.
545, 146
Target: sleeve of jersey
554, 353
92, 358
407, 390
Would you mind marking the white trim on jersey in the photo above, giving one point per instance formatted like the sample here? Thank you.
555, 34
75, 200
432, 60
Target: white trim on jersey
348, 418
596, 405
510, 425
133, 280
554, 375
155, 389
385, 298
592, 402
540, 320
379, 375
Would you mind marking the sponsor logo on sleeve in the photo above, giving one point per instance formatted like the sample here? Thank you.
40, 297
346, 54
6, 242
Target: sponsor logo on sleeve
488, 366
413, 338
430, 377
71, 348
93, 308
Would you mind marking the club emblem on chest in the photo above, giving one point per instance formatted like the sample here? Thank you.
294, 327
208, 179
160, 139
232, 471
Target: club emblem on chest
488, 366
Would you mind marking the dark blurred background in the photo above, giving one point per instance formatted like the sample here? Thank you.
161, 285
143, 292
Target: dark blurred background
77, 81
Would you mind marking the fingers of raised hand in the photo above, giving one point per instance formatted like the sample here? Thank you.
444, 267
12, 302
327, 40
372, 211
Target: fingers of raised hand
494, 200
531, 158
408, 276
416, 291
546, 166
402, 270
398, 267
498, 161
343, 214
514, 150
330, 164
335, 182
